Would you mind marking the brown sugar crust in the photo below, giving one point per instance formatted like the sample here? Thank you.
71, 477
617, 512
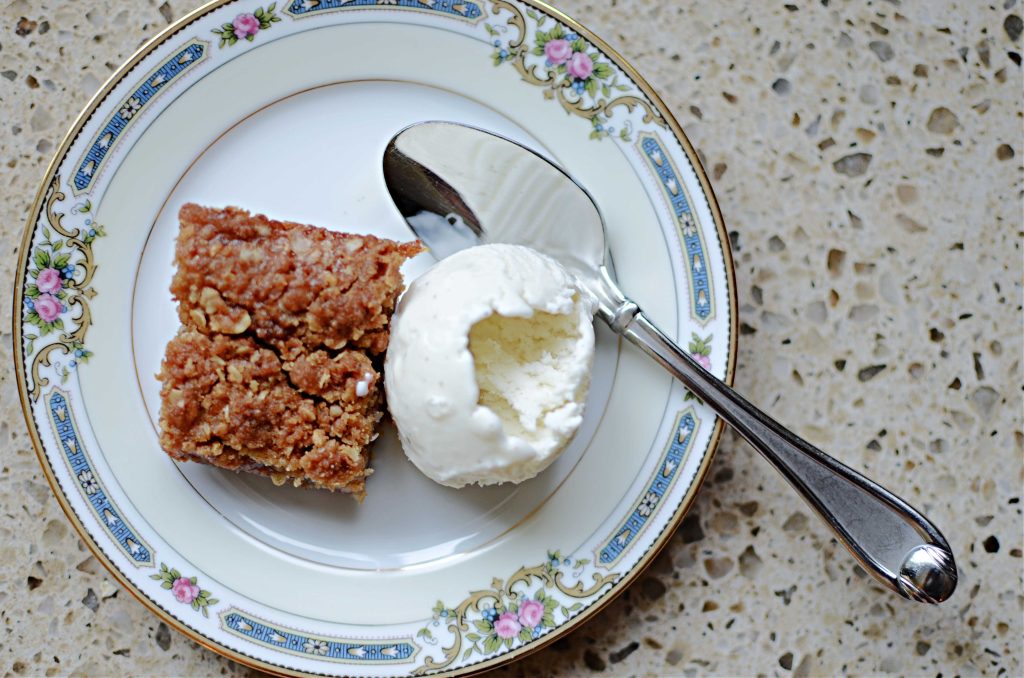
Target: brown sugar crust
229, 402
273, 371
296, 287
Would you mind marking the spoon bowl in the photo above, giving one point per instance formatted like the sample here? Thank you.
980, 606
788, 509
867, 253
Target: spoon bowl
506, 193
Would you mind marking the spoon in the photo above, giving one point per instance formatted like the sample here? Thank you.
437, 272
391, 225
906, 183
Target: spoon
458, 186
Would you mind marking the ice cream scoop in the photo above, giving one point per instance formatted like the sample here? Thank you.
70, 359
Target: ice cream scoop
489, 364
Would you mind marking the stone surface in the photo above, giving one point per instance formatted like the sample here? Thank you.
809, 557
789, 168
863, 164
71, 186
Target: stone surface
867, 160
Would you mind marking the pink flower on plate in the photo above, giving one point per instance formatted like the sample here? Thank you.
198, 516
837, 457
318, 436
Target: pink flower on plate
580, 66
558, 51
507, 626
48, 280
48, 307
184, 590
530, 613
246, 25
702, 360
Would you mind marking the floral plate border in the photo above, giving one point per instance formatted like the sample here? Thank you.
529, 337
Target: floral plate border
535, 604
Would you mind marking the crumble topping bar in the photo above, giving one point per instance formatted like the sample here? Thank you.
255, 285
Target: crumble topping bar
296, 287
273, 371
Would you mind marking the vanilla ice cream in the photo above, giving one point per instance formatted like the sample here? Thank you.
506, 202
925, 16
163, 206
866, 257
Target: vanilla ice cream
489, 365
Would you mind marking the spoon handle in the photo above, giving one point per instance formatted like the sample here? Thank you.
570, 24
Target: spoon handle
892, 541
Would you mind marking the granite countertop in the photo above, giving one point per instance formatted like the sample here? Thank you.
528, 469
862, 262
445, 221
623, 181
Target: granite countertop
867, 158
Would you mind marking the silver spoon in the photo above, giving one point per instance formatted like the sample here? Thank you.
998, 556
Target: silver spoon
458, 186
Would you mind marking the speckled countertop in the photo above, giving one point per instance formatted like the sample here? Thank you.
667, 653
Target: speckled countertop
868, 160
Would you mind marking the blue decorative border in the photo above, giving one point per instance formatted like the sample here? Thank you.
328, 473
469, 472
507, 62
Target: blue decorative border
90, 485
463, 9
702, 301
613, 548
186, 58
342, 650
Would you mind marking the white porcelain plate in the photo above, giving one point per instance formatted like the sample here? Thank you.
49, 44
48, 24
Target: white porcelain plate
286, 109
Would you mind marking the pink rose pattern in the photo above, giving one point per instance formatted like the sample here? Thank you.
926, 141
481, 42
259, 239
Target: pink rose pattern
184, 590
572, 71
507, 626
48, 307
565, 52
246, 25
53, 285
700, 350
49, 281
45, 297
513, 617
530, 613
557, 51
513, 614
580, 66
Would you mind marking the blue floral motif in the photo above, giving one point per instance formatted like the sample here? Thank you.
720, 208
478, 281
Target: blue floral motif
646, 506
570, 68
701, 297
60, 269
95, 494
511, 613
343, 650
183, 60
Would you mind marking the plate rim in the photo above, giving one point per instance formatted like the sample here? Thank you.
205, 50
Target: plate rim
514, 655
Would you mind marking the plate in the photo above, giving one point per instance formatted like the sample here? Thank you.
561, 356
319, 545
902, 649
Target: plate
285, 109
